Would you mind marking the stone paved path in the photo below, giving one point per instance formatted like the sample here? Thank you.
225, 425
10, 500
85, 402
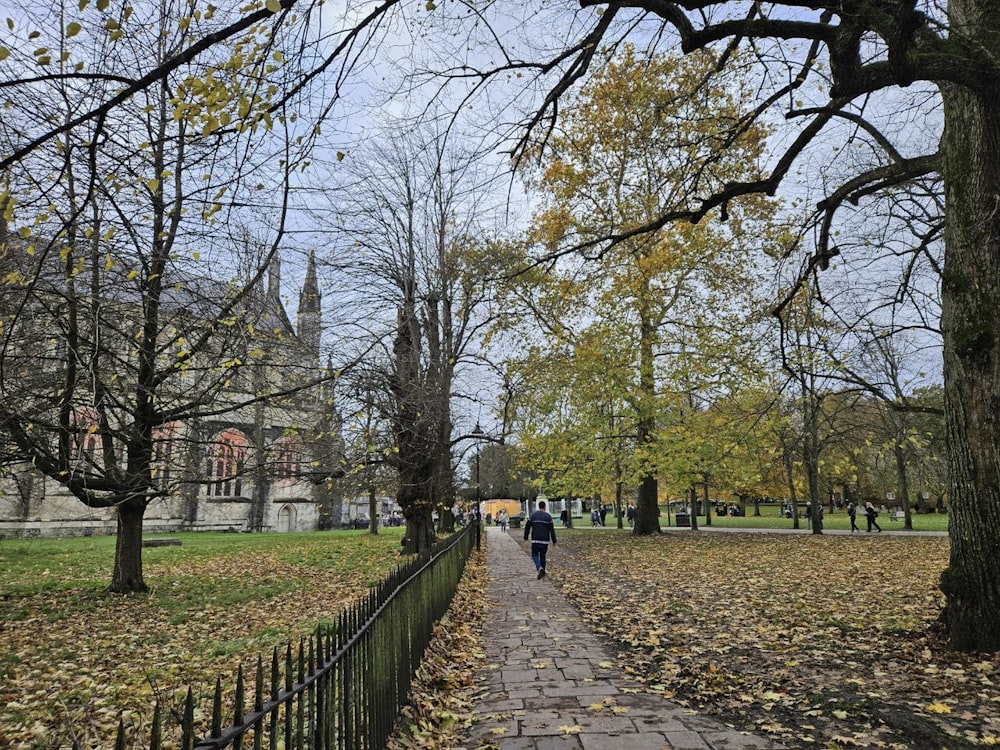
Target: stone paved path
549, 683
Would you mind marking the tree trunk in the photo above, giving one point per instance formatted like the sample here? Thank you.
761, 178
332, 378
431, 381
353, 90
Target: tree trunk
708, 503
792, 496
810, 460
373, 514
904, 485
127, 576
419, 527
970, 298
647, 510
694, 507
647, 506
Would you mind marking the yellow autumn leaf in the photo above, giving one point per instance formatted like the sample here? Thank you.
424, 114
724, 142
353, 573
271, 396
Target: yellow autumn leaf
574, 729
273, 5
938, 708
73, 29
498, 730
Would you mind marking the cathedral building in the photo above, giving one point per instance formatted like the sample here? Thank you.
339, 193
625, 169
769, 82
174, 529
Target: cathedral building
255, 445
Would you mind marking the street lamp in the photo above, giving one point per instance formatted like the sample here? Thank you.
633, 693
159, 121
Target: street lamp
478, 434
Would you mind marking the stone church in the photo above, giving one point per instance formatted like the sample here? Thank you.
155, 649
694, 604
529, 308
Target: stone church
241, 465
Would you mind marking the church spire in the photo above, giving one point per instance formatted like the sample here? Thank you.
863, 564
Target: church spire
308, 318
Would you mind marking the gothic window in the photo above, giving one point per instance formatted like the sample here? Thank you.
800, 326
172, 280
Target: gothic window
226, 461
288, 458
86, 439
163, 454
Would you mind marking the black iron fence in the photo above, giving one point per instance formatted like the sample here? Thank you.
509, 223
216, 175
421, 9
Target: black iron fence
341, 688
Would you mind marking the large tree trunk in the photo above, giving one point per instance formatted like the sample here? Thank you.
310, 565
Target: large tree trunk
970, 298
127, 576
419, 527
647, 509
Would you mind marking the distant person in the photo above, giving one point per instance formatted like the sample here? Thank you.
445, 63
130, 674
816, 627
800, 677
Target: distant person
541, 531
870, 515
502, 520
563, 517
594, 518
852, 513
603, 514
630, 514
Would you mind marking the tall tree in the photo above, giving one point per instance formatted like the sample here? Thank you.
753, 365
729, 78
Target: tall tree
414, 211
625, 152
107, 297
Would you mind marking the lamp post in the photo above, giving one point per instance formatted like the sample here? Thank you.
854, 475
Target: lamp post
477, 433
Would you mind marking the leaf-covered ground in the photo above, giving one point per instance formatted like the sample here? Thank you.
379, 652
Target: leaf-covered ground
72, 658
815, 641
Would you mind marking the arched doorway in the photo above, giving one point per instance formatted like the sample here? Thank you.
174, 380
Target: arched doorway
286, 518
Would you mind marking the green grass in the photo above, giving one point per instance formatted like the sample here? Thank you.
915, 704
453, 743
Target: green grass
81, 564
769, 519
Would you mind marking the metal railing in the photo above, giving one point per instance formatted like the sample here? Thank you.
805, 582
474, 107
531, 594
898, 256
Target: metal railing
343, 687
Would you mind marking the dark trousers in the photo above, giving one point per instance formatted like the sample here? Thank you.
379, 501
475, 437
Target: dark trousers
538, 552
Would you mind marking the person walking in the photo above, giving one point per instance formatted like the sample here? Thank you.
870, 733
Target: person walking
852, 513
870, 515
541, 531
502, 520
630, 514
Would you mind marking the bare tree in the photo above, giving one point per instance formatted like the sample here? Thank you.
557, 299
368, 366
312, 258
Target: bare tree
136, 310
413, 214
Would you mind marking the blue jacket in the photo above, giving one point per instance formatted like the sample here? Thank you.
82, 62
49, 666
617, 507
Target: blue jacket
540, 528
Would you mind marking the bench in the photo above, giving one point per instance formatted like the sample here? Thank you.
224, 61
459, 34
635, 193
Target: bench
899, 515
162, 542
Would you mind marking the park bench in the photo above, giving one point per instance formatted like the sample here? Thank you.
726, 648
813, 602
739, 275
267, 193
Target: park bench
162, 542
899, 515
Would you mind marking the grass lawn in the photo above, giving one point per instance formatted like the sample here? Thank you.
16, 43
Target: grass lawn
74, 656
769, 519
